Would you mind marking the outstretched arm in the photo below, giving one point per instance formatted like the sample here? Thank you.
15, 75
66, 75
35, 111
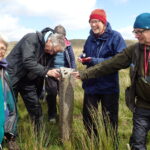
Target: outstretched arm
120, 61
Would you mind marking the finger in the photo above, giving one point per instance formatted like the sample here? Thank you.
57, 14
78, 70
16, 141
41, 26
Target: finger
79, 59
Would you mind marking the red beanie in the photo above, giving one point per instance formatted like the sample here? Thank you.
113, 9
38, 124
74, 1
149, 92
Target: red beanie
98, 14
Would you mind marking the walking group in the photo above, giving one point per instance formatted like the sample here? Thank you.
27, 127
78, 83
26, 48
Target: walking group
35, 62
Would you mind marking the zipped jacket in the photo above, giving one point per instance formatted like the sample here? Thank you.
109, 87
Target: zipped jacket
9, 117
121, 61
69, 57
27, 57
100, 49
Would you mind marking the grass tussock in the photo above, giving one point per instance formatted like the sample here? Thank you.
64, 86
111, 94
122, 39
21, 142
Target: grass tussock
49, 137
104, 140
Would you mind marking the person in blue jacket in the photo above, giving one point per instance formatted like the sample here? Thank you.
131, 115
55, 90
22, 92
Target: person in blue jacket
8, 109
102, 44
61, 59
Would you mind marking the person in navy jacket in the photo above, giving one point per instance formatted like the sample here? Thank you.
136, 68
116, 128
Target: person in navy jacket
102, 44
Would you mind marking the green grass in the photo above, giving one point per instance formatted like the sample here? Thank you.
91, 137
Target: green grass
49, 138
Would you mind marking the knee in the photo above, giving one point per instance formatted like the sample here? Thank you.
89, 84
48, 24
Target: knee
137, 142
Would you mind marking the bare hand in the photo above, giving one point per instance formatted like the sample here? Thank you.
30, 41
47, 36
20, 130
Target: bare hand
54, 73
85, 59
76, 75
79, 59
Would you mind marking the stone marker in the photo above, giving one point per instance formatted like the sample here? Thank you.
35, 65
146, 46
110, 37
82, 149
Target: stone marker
66, 102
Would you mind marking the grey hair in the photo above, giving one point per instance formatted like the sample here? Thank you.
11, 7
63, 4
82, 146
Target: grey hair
57, 40
60, 30
3, 41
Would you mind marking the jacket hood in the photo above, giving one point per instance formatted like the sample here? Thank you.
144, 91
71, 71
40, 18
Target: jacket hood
67, 42
105, 35
41, 38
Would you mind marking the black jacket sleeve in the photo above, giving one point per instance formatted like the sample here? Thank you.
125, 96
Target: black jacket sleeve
30, 59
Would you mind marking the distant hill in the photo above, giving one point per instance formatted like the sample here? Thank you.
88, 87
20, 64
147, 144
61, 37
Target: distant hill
78, 43
75, 43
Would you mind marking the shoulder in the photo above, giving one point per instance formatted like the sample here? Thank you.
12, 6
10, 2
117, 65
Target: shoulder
33, 39
117, 38
89, 39
116, 34
132, 48
30, 36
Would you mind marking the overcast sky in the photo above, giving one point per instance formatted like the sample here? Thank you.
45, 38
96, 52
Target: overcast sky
18, 17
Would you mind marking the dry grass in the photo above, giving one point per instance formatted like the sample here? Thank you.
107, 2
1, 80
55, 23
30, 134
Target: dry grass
125, 117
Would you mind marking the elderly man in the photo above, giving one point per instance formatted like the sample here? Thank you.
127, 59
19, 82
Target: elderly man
137, 57
27, 67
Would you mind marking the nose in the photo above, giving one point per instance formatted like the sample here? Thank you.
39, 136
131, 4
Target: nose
93, 24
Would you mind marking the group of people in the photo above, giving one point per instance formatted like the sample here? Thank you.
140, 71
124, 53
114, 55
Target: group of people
38, 57
35, 58
137, 57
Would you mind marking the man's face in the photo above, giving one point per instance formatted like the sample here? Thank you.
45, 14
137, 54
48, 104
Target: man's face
3, 49
142, 35
97, 26
51, 49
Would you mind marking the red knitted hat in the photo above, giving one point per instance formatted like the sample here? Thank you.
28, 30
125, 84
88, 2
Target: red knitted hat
98, 14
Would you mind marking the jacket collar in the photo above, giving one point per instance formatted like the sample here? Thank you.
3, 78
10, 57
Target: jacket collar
142, 47
67, 42
3, 63
105, 35
41, 39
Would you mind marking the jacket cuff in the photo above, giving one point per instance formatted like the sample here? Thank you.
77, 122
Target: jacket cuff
45, 72
83, 75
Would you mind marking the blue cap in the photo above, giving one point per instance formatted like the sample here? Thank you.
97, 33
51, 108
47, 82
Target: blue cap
142, 21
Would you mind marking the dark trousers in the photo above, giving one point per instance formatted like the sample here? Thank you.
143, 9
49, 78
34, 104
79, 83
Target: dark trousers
52, 90
141, 126
29, 92
109, 105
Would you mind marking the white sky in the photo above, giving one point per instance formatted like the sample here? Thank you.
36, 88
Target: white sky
19, 17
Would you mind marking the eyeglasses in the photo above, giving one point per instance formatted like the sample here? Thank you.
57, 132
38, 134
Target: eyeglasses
94, 21
139, 32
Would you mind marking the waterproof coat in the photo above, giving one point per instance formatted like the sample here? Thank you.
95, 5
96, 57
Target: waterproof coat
69, 56
100, 49
121, 61
8, 109
28, 58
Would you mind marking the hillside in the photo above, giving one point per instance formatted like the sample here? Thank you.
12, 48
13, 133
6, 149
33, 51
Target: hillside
76, 43
49, 138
